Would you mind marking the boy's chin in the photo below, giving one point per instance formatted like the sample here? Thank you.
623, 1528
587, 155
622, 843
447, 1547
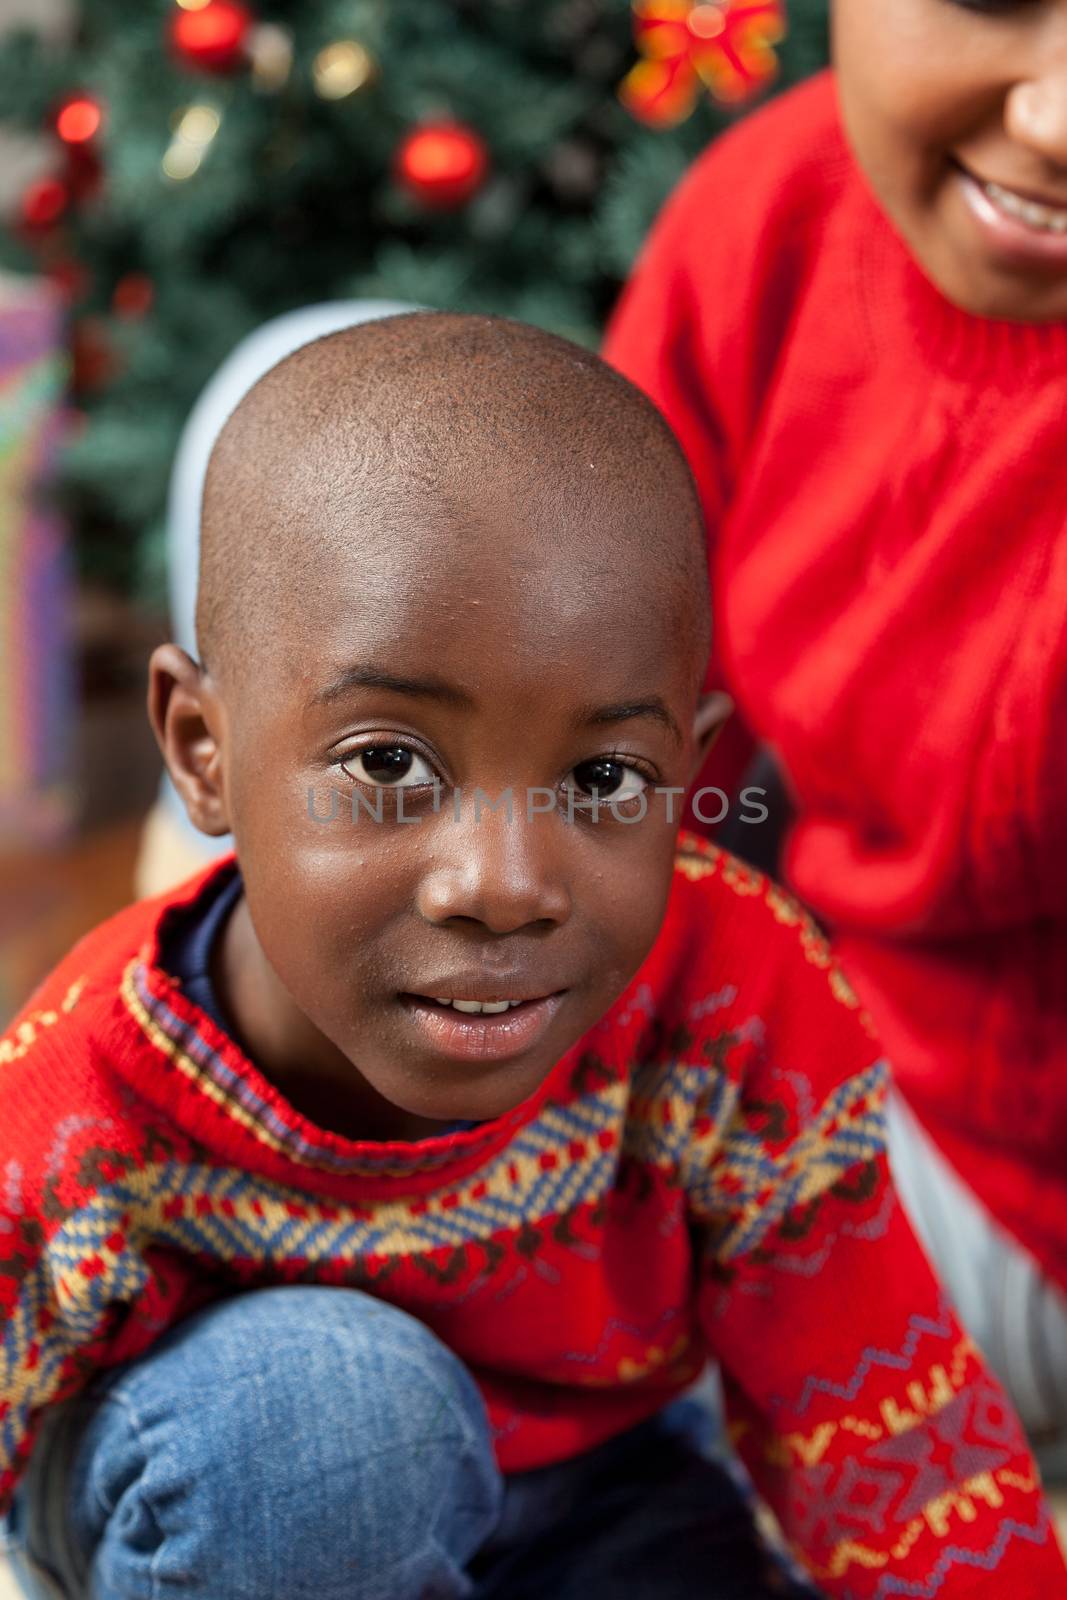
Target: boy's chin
444, 1093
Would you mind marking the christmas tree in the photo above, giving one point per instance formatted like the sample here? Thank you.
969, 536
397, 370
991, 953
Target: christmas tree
214, 168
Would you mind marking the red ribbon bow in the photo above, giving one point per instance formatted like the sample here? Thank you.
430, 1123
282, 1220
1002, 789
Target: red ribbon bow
726, 45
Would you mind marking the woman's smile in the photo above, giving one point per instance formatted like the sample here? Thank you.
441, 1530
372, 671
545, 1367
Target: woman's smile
1013, 224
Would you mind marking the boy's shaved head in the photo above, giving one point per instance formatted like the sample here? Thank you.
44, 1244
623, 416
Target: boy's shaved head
445, 559
387, 432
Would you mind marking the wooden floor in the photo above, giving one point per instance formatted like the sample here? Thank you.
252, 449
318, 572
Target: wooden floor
49, 898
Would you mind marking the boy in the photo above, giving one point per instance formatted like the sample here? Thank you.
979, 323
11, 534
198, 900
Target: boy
553, 1106
853, 314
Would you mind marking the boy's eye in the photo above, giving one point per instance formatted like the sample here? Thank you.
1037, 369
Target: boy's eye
390, 765
605, 779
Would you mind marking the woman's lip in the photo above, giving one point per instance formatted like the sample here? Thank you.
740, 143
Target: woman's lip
474, 1036
1010, 237
1049, 201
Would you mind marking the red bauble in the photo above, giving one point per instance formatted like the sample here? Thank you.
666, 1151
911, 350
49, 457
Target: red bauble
212, 38
43, 203
71, 278
133, 296
78, 120
441, 164
93, 362
85, 171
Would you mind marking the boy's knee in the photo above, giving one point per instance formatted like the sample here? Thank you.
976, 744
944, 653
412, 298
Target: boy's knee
289, 1441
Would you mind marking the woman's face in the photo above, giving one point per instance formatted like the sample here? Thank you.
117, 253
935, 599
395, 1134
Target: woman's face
957, 113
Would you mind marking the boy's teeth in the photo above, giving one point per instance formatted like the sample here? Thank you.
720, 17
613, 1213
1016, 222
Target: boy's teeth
1049, 218
490, 1007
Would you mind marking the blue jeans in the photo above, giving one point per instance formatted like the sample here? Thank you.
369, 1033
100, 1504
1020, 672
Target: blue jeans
317, 1442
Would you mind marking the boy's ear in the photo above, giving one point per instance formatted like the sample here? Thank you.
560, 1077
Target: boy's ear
712, 713
186, 719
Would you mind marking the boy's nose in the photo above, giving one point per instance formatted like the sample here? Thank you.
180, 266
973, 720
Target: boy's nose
501, 872
1035, 112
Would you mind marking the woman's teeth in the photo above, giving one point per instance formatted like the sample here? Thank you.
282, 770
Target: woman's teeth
1049, 219
490, 1007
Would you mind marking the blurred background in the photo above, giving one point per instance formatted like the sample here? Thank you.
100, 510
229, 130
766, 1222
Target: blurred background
172, 176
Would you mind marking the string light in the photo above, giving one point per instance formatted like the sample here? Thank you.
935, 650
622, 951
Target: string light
194, 128
342, 68
197, 125
270, 50
181, 161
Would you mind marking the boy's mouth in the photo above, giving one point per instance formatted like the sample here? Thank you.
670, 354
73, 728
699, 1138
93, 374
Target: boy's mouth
492, 1027
479, 1007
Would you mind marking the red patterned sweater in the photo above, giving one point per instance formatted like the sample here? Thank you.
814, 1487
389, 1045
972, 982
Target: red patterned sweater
703, 1171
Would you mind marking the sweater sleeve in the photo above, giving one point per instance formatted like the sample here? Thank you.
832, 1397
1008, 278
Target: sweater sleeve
40, 1362
81, 1285
870, 1424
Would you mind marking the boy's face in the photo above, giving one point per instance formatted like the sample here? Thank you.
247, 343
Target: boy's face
957, 112
499, 654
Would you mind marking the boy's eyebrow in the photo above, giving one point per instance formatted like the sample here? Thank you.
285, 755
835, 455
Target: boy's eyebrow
630, 710
365, 676
360, 676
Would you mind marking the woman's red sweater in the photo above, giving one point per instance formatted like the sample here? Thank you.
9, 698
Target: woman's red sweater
885, 483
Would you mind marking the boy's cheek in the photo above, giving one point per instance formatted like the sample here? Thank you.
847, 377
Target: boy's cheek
335, 900
629, 898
